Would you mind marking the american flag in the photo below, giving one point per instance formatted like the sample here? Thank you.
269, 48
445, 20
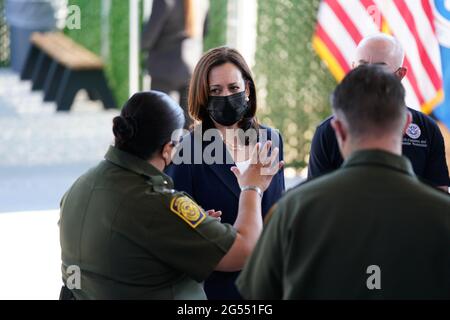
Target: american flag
343, 23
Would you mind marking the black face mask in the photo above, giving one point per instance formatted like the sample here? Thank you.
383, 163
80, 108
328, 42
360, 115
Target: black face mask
227, 110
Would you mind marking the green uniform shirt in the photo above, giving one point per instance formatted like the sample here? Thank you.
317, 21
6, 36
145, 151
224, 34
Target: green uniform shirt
133, 237
324, 236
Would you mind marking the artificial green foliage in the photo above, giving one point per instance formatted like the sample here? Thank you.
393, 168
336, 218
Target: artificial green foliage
90, 36
4, 38
293, 84
119, 50
217, 26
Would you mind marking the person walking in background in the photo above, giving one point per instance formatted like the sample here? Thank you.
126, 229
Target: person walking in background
369, 230
222, 99
423, 143
24, 18
173, 39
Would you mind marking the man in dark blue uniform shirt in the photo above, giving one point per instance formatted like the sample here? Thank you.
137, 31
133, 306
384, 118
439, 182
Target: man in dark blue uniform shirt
423, 143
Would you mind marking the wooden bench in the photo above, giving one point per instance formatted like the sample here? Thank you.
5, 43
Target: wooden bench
61, 67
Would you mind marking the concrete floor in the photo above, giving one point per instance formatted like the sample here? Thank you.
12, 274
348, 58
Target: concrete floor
30, 255
42, 153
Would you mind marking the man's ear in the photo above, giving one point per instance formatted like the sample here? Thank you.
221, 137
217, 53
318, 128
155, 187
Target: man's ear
339, 130
401, 72
408, 121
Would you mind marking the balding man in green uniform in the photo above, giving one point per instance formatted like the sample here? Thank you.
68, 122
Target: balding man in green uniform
126, 234
371, 229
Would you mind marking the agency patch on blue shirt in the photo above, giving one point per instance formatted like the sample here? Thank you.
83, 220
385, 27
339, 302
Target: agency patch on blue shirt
187, 210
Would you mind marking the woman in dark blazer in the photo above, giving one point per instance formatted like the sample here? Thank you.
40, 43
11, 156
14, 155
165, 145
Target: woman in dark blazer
222, 100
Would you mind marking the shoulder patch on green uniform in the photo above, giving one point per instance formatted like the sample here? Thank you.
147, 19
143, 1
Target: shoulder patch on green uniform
187, 210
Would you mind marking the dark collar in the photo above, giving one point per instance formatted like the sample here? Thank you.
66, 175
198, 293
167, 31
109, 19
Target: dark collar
380, 158
137, 165
222, 169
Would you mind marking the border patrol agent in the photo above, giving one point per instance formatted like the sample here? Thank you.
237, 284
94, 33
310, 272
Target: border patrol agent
423, 143
130, 234
369, 230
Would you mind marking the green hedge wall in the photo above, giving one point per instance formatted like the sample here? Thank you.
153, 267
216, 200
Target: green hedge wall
217, 30
294, 85
119, 50
90, 36
4, 38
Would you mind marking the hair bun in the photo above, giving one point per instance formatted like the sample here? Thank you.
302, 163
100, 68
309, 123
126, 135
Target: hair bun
124, 128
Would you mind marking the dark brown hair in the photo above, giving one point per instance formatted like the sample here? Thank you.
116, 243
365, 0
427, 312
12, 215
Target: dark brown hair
146, 123
199, 86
